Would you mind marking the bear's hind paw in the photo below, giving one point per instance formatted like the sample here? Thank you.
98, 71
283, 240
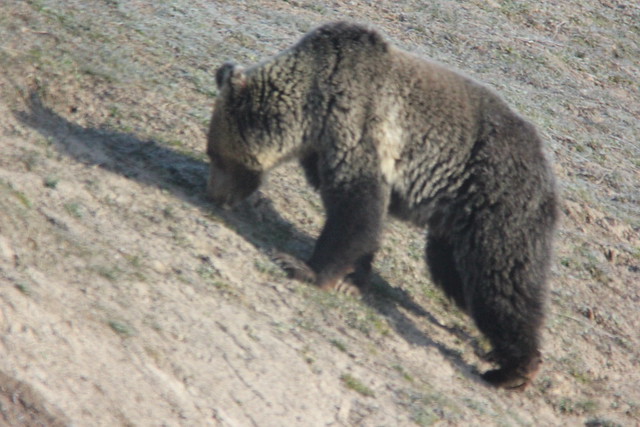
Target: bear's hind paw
514, 379
507, 380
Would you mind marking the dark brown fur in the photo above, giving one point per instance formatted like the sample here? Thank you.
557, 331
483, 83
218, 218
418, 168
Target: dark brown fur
378, 130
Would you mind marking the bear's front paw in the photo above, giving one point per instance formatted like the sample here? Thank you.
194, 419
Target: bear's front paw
299, 270
295, 268
343, 286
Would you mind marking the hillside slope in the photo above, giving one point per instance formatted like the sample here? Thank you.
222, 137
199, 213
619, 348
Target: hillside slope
126, 298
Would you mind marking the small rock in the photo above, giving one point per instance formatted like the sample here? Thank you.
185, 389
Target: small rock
610, 254
158, 266
6, 251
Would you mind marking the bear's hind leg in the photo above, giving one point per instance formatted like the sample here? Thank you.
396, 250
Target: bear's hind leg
508, 310
514, 335
444, 272
516, 378
504, 265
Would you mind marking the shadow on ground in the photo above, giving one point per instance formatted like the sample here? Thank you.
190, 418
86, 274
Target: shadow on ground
20, 405
184, 175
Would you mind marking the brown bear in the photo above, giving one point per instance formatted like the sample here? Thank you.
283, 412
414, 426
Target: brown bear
378, 130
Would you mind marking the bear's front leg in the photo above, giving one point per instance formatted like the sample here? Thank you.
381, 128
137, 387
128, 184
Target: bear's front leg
350, 237
344, 252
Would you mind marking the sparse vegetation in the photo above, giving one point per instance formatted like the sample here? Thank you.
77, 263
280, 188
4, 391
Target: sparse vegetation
103, 112
122, 328
356, 385
268, 268
17, 194
74, 209
403, 373
51, 182
111, 273
339, 344
24, 288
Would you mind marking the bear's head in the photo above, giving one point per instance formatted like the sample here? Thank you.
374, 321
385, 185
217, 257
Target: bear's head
235, 171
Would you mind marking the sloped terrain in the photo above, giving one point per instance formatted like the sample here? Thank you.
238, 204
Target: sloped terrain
126, 298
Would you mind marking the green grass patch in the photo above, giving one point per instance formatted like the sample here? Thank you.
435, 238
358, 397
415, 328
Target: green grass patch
269, 268
339, 345
111, 273
121, 328
51, 182
74, 209
24, 288
403, 373
356, 385
579, 407
17, 194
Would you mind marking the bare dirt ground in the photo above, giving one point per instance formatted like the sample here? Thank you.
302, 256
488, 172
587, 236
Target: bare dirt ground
126, 298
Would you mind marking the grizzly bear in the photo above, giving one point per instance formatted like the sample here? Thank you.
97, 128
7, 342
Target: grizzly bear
378, 130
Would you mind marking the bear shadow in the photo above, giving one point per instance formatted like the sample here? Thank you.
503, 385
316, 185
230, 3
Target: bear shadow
184, 176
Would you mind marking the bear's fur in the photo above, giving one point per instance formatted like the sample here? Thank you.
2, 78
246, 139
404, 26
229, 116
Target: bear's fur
378, 130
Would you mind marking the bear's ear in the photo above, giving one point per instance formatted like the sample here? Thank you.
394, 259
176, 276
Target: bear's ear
232, 74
